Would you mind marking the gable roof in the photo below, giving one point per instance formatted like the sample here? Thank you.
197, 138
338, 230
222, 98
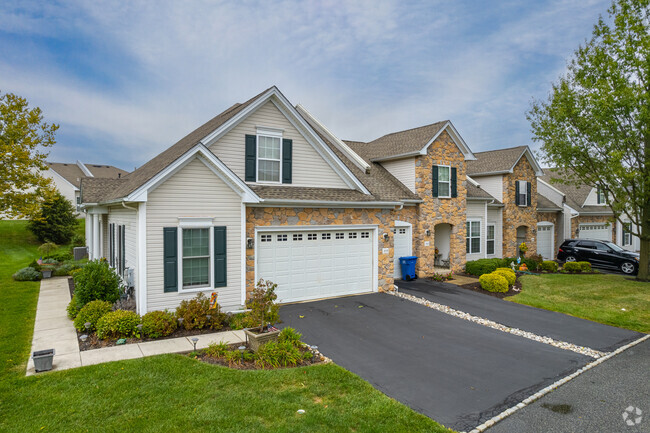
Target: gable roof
501, 161
576, 194
72, 173
545, 204
411, 142
476, 192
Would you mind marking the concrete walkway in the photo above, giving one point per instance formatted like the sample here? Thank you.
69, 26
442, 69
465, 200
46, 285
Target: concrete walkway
53, 329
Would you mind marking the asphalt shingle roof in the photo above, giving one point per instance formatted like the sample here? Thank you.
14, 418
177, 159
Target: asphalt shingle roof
71, 172
544, 203
495, 160
576, 194
474, 191
397, 143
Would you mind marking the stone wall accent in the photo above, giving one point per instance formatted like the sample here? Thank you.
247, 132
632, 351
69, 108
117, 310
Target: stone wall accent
549, 217
515, 216
585, 219
435, 211
383, 218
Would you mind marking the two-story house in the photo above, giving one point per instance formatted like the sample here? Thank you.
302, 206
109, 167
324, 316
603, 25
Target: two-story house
264, 190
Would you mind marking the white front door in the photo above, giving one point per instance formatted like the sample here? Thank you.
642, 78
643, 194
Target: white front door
545, 237
316, 264
402, 248
601, 232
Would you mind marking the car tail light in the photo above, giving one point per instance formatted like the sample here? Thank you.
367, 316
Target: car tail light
560, 250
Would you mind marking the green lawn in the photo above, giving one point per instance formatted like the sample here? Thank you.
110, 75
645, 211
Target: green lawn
171, 392
597, 297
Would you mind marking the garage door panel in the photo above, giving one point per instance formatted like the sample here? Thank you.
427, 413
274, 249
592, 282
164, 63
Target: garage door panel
601, 232
311, 265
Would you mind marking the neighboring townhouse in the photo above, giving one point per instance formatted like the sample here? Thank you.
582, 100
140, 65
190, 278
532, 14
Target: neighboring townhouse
583, 213
67, 176
510, 177
264, 190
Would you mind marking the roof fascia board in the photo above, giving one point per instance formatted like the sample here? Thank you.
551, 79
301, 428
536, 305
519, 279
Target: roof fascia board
455, 136
584, 203
490, 173
85, 169
356, 159
551, 186
394, 157
322, 203
548, 209
531, 159
479, 198
295, 119
472, 181
222, 171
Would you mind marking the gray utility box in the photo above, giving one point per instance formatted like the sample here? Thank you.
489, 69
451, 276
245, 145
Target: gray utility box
80, 253
43, 360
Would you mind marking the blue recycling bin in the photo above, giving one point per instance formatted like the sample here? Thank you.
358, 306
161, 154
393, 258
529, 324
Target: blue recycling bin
408, 267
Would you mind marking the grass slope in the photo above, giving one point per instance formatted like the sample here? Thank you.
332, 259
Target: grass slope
598, 297
171, 392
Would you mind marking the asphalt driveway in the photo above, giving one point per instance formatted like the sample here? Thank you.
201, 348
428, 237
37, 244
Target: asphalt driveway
452, 370
541, 322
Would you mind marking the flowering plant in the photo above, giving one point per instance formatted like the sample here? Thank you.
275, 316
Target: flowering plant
523, 247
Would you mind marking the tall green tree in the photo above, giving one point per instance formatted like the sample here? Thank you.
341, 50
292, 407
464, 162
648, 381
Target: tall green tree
55, 221
595, 123
24, 136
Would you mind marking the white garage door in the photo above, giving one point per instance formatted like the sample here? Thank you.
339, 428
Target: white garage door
602, 232
545, 235
402, 248
316, 264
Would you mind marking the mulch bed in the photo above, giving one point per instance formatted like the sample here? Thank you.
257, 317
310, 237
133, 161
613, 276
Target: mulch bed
250, 365
95, 343
476, 287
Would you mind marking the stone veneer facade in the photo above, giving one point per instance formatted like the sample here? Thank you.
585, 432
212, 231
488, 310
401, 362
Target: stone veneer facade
585, 219
550, 217
435, 210
515, 216
383, 218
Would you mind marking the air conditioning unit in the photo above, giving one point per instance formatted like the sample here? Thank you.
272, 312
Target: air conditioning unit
80, 253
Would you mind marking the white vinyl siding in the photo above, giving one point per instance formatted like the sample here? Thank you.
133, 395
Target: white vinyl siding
491, 184
194, 191
120, 215
308, 168
403, 170
550, 194
592, 198
476, 212
495, 218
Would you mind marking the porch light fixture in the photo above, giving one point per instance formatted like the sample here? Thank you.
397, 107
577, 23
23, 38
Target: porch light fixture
249, 243
427, 232
385, 236
194, 341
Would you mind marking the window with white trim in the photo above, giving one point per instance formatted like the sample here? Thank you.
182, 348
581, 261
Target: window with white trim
490, 239
352, 235
281, 238
196, 257
444, 181
267, 238
473, 237
600, 196
297, 237
340, 236
312, 236
269, 158
326, 236
365, 235
523, 193
627, 234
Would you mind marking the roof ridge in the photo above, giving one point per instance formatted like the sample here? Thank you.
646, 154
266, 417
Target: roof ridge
409, 129
499, 150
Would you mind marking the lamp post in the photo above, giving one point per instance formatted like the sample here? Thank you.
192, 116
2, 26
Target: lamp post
241, 352
194, 341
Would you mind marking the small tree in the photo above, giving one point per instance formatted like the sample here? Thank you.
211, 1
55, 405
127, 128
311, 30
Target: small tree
595, 125
55, 220
262, 304
23, 136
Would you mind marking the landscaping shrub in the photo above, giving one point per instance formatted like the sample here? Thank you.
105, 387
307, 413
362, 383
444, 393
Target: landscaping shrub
60, 256
537, 258
55, 221
91, 313
262, 304
482, 266
34, 264
156, 324
585, 266
572, 267
72, 308
493, 282
47, 248
118, 324
241, 321
275, 354
194, 312
290, 335
508, 274
78, 241
96, 281
64, 269
27, 274
217, 350
549, 266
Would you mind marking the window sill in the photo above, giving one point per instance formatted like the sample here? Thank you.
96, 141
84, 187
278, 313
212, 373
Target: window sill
196, 289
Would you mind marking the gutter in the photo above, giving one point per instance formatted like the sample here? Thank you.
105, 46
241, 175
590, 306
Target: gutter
320, 203
128, 207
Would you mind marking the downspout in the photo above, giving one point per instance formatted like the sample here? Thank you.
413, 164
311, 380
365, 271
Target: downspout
128, 207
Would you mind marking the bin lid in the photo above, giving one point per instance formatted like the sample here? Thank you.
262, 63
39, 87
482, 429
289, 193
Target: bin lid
408, 258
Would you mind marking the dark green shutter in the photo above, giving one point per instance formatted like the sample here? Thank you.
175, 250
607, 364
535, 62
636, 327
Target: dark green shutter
123, 257
251, 158
287, 147
454, 189
434, 181
517, 192
528, 195
170, 254
220, 262
598, 195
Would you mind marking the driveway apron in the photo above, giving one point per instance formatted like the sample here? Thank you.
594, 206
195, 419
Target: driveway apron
452, 370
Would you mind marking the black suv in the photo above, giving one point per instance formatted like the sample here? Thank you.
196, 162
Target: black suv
601, 254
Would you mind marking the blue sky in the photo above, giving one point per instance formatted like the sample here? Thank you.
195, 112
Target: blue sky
127, 79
